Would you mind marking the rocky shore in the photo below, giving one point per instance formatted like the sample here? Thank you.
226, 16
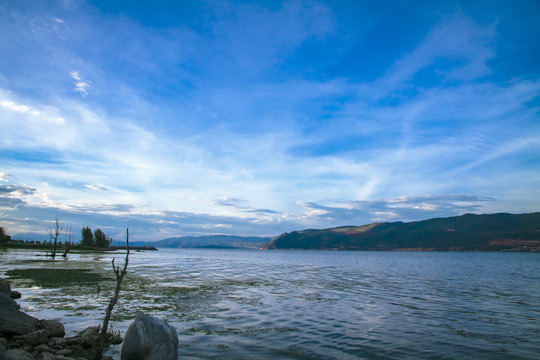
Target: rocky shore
23, 337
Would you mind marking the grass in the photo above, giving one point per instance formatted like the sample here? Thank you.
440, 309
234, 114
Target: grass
57, 278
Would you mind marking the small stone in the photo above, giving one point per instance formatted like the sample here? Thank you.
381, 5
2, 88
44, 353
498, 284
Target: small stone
42, 348
74, 341
60, 357
59, 341
18, 354
37, 337
45, 356
63, 352
15, 295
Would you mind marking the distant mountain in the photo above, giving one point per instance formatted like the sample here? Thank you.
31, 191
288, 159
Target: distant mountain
212, 242
33, 237
461, 233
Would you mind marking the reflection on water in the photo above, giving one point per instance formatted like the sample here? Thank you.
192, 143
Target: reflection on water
233, 304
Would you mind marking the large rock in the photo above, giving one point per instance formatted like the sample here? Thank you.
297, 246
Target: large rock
89, 336
13, 321
5, 287
148, 338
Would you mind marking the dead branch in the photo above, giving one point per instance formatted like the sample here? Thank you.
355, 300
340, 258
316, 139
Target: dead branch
54, 234
120, 273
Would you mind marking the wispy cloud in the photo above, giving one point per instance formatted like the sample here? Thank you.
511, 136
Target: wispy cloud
393, 209
462, 44
233, 202
96, 188
16, 189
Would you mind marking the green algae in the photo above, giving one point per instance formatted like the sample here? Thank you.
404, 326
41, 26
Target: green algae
57, 278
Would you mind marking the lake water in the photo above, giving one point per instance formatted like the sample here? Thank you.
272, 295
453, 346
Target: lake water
248, 304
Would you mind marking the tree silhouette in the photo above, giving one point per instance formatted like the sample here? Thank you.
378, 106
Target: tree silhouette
87, 238
54, 233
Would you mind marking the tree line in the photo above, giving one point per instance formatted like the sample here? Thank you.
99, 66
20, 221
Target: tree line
90, 240
4, 237
97, 239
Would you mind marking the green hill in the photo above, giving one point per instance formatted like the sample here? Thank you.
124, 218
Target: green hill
468, 232
213, 242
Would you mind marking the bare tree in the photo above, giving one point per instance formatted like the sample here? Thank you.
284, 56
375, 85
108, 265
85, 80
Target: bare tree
68, 241
119, 277
54, 233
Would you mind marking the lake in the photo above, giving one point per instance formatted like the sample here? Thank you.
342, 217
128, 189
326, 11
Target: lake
249, 304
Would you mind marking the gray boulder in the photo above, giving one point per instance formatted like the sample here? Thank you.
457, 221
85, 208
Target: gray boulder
5, 288
54, 328
13, 321
89, 336
37, 338
148, 338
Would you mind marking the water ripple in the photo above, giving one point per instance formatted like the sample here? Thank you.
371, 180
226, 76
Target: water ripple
313, 305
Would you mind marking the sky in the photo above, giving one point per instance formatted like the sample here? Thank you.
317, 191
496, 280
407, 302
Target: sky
254, 118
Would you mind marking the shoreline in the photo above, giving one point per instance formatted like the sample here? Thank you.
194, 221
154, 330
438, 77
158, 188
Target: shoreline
24, 337
76, 249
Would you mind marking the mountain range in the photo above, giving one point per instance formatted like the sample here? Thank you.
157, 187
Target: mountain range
494, 232
209, 242
469, 232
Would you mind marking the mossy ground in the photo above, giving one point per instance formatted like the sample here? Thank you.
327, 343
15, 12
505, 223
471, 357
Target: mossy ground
57, 278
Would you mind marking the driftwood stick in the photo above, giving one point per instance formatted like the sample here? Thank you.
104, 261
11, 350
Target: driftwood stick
119, 277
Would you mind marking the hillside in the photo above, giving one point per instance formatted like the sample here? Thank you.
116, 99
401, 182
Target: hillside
468, 232
32, 237
211, 242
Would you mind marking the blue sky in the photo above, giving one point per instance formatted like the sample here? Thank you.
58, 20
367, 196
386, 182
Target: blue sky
260, 117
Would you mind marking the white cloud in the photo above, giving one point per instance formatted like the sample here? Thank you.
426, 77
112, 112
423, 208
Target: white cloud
25, 109
81, 85
96, 188
18, 107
